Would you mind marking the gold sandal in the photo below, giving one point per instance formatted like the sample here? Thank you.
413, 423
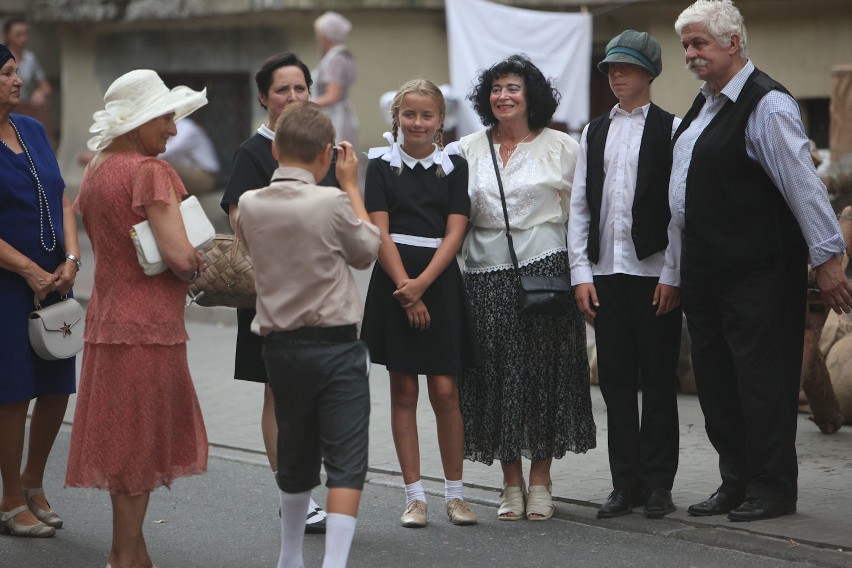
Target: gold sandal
512, 503
540, 502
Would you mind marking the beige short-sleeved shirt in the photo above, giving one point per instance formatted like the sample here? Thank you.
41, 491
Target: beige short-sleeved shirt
303, 238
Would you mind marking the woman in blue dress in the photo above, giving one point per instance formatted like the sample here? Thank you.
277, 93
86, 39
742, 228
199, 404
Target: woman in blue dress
39, 256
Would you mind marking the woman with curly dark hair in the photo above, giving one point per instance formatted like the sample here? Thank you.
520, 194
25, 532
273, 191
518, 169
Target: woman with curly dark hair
531, 396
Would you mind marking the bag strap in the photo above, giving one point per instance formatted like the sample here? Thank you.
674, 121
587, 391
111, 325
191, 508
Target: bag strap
37, 302
503, 201
235, 246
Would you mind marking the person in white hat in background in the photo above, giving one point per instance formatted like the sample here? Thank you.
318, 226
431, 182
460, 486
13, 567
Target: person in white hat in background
137, 423
335, 74
625, 268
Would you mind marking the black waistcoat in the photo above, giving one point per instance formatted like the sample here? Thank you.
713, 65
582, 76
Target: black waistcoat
651, 212
734, 213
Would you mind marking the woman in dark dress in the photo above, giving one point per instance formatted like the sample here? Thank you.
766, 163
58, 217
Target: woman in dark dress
416, 319
281, 80
39, 256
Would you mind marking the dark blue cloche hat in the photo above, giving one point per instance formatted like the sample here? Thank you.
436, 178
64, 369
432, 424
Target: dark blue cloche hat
5, 54
636, 48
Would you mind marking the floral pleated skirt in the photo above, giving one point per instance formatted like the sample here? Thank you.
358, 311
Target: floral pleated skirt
530, 397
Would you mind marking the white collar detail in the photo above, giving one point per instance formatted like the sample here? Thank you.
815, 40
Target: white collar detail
395, 156
266, 132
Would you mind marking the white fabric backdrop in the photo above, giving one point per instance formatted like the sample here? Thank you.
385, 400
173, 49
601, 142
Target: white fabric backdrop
481, 33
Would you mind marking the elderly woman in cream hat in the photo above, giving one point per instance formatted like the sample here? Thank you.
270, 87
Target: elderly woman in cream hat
137, 423
335, 74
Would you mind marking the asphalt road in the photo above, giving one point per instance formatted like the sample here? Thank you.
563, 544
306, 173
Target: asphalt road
228, 518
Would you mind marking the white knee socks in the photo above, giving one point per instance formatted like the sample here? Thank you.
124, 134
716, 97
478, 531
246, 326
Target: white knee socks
340, 529
294, 510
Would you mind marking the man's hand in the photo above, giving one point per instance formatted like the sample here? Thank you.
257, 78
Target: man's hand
834, 286
587, 299
666, 298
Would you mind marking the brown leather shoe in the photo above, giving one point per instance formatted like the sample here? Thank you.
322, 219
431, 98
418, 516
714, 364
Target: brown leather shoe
460, 513
414, 516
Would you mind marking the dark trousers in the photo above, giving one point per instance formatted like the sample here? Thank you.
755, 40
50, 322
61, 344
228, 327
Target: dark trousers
632, 342
747, 332
320, 380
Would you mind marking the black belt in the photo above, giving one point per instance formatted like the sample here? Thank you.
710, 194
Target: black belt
337, 334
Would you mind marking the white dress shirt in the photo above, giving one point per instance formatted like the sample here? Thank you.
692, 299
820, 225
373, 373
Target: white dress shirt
191, 147
617, 252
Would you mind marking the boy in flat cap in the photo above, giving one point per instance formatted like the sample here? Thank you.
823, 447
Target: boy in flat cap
625, 268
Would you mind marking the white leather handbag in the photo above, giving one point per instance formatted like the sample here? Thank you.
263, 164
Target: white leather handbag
199, 231
56, 332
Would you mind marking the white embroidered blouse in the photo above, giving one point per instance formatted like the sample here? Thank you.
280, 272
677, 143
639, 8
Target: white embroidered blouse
537, 182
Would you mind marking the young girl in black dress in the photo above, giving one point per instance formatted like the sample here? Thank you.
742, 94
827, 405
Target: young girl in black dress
416, 319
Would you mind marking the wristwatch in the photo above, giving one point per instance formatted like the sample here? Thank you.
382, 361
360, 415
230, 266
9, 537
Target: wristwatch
76, 260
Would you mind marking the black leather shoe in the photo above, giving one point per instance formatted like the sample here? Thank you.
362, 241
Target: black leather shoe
659, 504
314, 525
617, 504
718, 504
755, 509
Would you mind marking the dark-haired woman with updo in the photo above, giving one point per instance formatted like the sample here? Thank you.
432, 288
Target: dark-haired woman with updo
531, 396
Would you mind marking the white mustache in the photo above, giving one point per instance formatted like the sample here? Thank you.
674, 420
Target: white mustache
695, 63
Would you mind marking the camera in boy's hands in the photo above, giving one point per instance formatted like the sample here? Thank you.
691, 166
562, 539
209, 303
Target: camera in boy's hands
346, 167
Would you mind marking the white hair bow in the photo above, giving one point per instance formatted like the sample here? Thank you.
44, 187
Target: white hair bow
387, 153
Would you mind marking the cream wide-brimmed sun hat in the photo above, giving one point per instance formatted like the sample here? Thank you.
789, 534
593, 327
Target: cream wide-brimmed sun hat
135, 98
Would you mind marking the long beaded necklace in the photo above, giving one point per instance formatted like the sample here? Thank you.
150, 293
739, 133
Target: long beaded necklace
43, 206
510, 151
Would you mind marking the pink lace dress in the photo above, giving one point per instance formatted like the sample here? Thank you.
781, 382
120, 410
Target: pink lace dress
137, 423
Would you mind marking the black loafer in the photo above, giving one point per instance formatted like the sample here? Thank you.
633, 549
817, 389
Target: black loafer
659, 504
619, 503
718, 504
755, 509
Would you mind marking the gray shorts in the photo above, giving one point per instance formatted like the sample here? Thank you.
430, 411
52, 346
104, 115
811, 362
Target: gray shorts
320, 380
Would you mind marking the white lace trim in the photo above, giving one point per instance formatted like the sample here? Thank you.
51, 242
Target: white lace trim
499, 267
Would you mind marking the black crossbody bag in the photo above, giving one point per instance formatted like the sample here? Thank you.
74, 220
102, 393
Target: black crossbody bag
538, 295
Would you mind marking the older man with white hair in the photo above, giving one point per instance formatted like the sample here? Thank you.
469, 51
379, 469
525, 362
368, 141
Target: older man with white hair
745, 192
